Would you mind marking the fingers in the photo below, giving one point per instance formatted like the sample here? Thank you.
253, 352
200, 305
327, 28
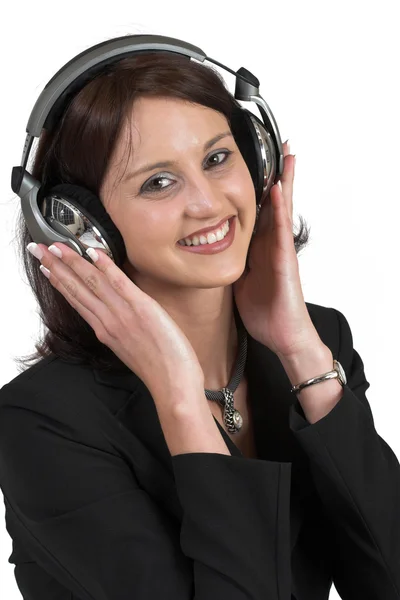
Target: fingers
97, 292
65, 290
286, 148
287, 179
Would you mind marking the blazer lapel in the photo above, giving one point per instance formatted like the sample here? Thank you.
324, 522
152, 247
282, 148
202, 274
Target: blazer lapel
270, 398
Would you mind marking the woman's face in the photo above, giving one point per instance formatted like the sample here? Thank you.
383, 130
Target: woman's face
156, 208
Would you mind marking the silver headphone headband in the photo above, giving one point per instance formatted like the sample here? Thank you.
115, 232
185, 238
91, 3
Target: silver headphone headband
94, 57
72, 76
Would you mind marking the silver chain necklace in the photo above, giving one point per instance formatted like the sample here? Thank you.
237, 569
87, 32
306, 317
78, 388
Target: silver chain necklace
224, 397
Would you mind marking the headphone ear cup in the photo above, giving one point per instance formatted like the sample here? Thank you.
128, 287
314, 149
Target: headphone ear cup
257, 148
77, 213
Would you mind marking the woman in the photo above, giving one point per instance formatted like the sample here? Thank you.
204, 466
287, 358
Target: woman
155, 449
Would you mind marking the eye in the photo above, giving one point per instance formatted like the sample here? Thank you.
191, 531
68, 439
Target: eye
226, 153
148, 189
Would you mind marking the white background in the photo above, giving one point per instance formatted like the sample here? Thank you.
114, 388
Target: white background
329, 72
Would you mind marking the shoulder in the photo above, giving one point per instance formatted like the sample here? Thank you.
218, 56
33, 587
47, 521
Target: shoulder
50, 375
47, 371
65, 392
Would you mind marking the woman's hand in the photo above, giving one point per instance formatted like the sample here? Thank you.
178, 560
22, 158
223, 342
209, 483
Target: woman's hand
269, 295
124, 318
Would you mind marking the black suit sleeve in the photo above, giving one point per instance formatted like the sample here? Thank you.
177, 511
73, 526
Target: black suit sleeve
87, 522
357, 477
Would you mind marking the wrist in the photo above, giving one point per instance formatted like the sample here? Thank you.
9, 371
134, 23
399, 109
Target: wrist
178, 392
314, 361
189, 425
316, 400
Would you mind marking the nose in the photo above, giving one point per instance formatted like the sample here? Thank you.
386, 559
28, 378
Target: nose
205, 196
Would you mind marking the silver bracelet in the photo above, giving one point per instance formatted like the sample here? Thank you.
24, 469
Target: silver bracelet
337, 372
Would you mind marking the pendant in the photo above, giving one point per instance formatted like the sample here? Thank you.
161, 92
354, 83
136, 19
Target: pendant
232, 417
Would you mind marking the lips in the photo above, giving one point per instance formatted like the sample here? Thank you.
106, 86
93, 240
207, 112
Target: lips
208, 229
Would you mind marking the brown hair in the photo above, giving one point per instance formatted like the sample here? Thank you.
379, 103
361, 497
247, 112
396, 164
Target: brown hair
78, 151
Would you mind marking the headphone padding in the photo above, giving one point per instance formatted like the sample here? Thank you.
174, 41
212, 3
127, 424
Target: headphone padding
93, 209
247, 141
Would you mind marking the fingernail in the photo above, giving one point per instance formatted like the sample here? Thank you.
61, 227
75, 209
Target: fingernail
45, 271
54, 250
93, 254
34, 249
287, 145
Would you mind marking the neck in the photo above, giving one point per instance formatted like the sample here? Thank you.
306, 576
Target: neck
211, 330
206, 317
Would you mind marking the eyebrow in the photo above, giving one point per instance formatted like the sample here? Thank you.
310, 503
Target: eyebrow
171, 163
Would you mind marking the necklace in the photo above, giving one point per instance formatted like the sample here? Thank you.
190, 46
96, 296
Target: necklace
224, 397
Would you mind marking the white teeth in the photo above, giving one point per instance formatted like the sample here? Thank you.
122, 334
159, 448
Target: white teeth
210, 238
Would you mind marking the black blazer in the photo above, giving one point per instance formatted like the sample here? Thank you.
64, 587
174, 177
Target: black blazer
97, 508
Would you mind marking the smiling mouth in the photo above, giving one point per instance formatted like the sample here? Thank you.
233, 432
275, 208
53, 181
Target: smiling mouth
214, 246
202, 239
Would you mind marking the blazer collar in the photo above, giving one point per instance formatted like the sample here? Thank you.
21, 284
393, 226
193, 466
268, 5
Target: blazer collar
270, 398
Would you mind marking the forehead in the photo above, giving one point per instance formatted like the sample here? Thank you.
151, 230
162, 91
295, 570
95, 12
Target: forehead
170, 123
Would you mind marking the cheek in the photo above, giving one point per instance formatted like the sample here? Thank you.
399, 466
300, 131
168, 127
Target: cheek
142, 231
241, 184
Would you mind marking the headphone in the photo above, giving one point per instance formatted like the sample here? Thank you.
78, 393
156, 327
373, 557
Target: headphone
74, 215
